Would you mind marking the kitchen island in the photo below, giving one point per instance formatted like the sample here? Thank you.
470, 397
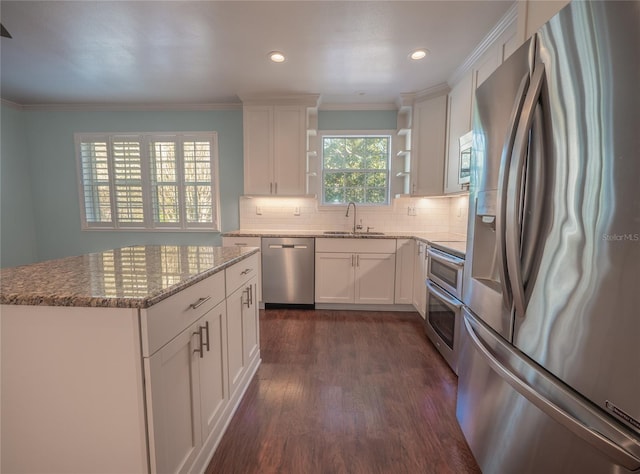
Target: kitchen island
128, 360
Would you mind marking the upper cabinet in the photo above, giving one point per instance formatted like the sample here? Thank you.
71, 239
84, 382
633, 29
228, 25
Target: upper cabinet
459, 123
276, 147
428, 145
490, 53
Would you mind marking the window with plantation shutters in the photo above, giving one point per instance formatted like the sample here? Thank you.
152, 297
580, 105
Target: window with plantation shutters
155, 181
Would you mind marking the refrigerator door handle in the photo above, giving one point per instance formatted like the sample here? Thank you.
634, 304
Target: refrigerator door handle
515, 191
534, 195
505, 162
556, 401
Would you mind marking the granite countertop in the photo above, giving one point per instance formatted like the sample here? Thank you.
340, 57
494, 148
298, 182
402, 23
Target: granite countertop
455, 243
130, 277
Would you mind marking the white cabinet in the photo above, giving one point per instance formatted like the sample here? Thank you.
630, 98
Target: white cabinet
459, 123
405, 261
277, 147
186, 392
241, 241
419, 277
274, 149
499, 50
374, 278
355, 271
136, 390
242, 321
428, 146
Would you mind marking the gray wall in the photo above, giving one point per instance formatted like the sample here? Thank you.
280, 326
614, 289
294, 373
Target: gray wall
52, 178
40, 212
17, 221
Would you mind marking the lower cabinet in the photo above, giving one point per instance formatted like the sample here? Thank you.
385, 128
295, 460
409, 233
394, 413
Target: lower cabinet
419, 277
344, 276
196, 380
242, 330
125, 389
187, 391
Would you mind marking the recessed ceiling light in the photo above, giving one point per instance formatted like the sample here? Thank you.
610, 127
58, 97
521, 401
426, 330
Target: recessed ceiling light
419, 54
276, 56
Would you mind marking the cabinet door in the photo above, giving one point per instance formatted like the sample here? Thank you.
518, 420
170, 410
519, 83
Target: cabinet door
405, 260
175, 403
459, 124
235, 348
213, 390
375, 278
419, 276
427, 155
250, 324
289, 144
334, 277
258, 149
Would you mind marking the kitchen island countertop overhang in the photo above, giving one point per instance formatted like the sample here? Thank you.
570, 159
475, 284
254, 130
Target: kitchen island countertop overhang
129, 277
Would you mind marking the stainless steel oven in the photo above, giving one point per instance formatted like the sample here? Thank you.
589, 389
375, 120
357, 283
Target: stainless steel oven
443, 316
446, 270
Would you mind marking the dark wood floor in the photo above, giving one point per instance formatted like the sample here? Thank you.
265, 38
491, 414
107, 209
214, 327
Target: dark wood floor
346, 392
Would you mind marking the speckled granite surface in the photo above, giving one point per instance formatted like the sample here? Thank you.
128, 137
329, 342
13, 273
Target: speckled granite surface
455, 243
130, 277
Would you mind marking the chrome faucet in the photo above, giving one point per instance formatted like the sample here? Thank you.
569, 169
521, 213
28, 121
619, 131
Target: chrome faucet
354, 216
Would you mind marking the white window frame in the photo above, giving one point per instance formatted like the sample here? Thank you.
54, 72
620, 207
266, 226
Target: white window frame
146, 139
355, 133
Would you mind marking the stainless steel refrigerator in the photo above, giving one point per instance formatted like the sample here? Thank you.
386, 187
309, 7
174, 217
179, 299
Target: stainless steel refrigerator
549, 370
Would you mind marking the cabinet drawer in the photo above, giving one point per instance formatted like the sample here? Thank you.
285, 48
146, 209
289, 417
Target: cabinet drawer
241, 272
165, 320
356, 245
241, 242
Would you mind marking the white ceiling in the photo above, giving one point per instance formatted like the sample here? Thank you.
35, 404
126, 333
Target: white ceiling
211, 52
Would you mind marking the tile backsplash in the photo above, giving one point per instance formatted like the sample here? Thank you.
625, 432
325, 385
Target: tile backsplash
406, 214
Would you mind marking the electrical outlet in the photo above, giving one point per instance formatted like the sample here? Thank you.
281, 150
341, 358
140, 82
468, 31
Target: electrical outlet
411, 211
296, 211
258, 211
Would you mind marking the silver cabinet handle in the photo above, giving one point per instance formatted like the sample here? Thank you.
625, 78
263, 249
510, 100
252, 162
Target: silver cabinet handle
276, 188
200, 349
250, 295
246, 270
200, 302
357, 260
247, 302
240, 244
206, 328
270, 188
352, 260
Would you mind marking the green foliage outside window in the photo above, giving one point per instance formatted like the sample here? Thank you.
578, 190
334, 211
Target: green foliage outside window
355, 168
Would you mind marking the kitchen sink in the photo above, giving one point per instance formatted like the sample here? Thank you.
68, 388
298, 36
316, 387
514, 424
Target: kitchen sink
344, 232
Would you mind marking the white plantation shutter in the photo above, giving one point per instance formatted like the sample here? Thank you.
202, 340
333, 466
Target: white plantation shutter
127, 177
149, 181
95, 176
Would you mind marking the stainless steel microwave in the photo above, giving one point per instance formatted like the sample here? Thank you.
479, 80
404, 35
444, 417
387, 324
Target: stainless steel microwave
464, 170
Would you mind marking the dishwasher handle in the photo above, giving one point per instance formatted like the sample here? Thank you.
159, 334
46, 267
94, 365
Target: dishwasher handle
287, 246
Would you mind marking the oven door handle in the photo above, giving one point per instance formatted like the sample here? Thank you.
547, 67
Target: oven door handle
444, 258
443, 295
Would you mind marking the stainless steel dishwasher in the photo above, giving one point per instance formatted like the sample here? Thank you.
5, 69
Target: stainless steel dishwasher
288, 274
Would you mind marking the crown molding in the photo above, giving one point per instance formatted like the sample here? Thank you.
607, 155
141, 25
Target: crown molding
10, 104
505, 22
309, 100
122, 107
359, 106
